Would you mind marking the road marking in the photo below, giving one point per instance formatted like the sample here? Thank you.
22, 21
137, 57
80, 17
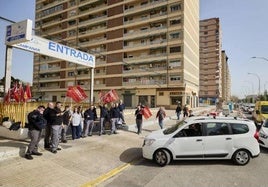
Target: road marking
108, 175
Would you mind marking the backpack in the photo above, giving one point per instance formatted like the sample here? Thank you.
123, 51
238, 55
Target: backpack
15, 126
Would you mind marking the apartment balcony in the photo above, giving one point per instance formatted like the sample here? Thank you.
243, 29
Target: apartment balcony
92, 21
99, 86
92, 42
139, 8
147, 69
146, 58
144, 82
92, 31
91, 8
149, 18
49, 79
49, 69
50, 5
147, 45
50, 23
145, 33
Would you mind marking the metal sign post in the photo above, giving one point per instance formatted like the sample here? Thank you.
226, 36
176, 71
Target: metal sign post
19, 35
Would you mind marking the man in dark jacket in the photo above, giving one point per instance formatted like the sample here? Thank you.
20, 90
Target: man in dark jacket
36, 123
66, 122
89, 116
114, 116
49, 114
103, 118
56, 127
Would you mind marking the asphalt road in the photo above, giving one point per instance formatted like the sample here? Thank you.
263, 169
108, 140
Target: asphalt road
212, 173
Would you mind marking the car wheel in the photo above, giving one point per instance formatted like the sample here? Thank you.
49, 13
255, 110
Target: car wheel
241, 157
162, 157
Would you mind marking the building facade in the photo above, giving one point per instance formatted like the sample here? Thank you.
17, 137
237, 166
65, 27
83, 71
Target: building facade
226, 78
147, 50
210, 61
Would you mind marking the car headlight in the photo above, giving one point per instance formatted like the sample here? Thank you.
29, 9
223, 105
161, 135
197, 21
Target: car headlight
149, 142
261, 134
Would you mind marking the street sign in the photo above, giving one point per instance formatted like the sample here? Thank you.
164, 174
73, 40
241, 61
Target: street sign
19, 32
50, 48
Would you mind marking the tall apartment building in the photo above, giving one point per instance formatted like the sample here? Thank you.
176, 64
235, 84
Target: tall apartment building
226, 78
210, 61
147, 50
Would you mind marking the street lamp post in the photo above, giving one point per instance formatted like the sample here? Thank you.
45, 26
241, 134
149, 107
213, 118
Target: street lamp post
263, 58
259, 81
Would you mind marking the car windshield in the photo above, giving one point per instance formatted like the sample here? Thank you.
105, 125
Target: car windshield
174, 127
264, 109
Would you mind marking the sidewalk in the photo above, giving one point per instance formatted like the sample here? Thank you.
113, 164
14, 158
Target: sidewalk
15, 148
84, 162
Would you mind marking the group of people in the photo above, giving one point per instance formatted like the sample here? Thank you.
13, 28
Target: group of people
56, 122
185, 110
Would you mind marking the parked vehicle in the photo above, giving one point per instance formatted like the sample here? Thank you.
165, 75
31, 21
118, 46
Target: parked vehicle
263, 134
251, 108
203, 138
260, 112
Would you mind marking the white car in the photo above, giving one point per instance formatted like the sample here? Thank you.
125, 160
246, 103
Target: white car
203, 138
263, 134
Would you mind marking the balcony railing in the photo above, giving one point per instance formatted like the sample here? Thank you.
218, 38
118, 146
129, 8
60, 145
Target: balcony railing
144, 82
138, 7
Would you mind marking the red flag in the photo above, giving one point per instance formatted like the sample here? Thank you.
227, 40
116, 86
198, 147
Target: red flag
18, 93
76, 93
110, 97
101, 96
27, 93
146, 112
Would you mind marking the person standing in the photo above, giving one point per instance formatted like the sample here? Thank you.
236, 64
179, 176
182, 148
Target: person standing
36, 123
66, 122
103, 118
76, 121
49, 116
89, 116
191, 113
56, 127
178, 111
138, 114
161, 114
114, 116
121, 107
185, 111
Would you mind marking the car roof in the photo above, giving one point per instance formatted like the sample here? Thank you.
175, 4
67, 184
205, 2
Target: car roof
216, 118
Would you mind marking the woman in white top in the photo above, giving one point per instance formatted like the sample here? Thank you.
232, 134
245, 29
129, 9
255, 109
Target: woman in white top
76, 121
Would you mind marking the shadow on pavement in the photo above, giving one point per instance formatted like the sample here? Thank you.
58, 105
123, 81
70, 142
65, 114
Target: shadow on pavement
264, 150
22, 146
131, 154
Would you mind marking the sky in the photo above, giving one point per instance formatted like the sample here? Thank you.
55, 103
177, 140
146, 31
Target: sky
244, 35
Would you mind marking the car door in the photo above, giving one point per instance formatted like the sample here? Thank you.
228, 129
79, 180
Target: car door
218, 142
188, 144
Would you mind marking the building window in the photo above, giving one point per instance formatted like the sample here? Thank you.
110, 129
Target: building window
175, 49
206, 32
175, 35
175, 78
174, 63
175, 7
161, 94
70, 74
144, 3
72, 22
175, 22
